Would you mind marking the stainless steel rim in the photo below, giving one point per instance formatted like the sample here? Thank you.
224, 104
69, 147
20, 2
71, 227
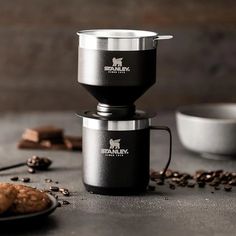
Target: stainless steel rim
118, 33
117, 39
111, 125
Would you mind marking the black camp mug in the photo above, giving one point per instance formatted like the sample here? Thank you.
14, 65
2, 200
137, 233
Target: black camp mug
116, 155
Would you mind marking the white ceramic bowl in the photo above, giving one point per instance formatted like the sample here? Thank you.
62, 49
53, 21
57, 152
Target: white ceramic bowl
208, 128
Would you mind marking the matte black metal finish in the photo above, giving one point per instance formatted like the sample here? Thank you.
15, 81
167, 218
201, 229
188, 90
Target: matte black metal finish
117, 77
116, 162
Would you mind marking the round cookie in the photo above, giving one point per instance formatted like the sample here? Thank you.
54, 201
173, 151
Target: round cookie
29, 200
7, 196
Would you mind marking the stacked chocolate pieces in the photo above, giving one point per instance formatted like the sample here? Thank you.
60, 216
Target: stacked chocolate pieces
49, 137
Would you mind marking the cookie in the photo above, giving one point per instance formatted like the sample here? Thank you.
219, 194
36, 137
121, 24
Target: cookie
29, 200
7, 196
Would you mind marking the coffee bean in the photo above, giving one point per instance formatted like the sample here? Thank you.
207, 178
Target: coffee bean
232, 182
66, 193
199, 173
64, 202
176, 180
63, 189
160, 182
201, 184
14, 178
25, 180
224, 182
48, 180
227, 188
217, 173
214, 183
191, 185
176, 174
31, 170
183, 183
54, 188
213, 178
233, 174
217, 188
169, 173
209, 178
172, 186
155, 175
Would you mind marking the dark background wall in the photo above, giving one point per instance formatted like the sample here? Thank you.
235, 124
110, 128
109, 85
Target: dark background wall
38, 50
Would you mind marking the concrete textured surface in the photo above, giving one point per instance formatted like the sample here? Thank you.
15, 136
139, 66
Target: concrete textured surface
38, 50
179, 212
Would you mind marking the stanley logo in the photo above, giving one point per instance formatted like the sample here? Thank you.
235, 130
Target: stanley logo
114, 149
117, 66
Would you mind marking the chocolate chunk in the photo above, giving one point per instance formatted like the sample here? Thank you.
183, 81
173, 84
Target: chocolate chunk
14, 178
73, 143
25, 144
58, 146
41, 133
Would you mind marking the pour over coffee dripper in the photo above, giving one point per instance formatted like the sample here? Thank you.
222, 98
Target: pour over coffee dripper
117, 67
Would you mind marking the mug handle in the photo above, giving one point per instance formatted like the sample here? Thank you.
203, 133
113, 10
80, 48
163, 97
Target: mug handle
167, 129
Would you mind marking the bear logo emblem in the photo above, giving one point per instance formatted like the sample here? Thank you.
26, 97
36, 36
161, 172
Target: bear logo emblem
117, 61
114, 144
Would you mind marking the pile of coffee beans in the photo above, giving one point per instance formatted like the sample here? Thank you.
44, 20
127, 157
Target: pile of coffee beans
217, 179
38, 163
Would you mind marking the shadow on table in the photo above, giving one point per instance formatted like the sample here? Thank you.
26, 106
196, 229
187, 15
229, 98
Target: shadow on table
29, 227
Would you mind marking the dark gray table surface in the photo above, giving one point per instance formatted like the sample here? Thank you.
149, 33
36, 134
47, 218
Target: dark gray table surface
183, 211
